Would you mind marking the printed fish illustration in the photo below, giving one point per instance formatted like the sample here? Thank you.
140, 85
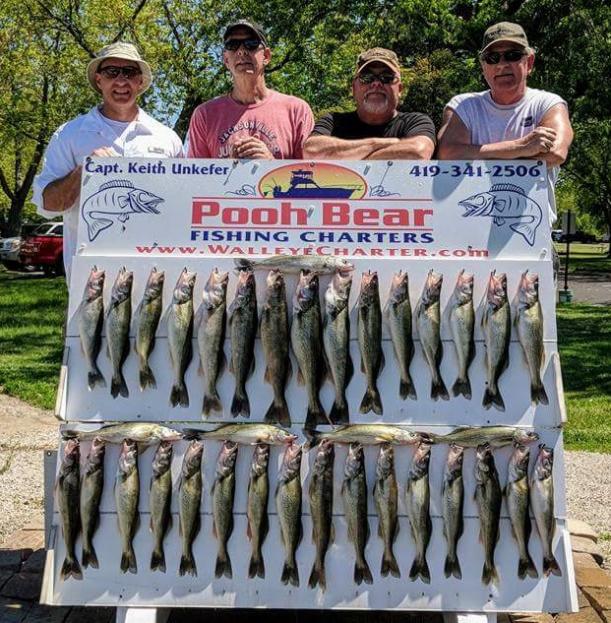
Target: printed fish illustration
116, 201
507, 203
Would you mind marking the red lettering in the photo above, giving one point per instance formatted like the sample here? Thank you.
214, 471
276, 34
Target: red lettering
419, 216
396, 218
235, 216
264, 216
202, 209
287, 212
335, 213
366, 216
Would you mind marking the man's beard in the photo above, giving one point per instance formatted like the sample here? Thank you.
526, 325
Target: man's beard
377, 106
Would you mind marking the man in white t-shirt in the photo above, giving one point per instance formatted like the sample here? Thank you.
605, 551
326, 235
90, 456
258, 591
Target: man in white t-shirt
510, 120
117, 127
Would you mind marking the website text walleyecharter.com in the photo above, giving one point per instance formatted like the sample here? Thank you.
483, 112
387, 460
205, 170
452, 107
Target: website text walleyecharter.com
232, 250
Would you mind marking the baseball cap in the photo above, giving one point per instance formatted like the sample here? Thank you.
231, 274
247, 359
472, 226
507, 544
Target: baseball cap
246, 23
125, 51
504, 31
378, 55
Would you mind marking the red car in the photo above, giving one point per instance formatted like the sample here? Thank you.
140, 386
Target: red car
44, 249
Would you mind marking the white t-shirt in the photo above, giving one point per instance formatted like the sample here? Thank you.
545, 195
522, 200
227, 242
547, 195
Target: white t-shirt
490, 122
76, 139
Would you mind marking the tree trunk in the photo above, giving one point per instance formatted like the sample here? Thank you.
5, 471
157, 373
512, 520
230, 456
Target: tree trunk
13, 222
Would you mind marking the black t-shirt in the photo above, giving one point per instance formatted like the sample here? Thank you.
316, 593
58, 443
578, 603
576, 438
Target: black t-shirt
348, 125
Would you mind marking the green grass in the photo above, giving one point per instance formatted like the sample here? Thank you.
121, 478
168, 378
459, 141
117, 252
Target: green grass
585, 258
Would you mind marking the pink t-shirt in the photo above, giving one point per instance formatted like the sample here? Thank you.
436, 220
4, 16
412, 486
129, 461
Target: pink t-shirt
282, 122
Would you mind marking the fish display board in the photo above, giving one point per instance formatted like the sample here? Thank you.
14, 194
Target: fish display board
382, 217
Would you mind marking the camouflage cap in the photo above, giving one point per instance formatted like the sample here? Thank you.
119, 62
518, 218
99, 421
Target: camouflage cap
378, 55
257, 29
504, 31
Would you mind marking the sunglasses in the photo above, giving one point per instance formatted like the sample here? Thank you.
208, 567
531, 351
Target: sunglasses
368, 77
111, 72
511, 56
249, 44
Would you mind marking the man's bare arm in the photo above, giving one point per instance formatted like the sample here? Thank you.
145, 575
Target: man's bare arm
62, 194
557, 118
328, 147
413, 148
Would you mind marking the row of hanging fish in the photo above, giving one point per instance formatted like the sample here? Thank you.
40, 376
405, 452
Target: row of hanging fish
321, 345
79, 494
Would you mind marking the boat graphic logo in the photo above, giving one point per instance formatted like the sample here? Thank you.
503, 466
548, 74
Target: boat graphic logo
312, 181
116, 201
506, 204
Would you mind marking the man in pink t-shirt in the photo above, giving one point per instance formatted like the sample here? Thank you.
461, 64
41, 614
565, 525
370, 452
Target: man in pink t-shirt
253, 121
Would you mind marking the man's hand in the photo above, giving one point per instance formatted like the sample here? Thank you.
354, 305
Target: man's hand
105, 152
253, 148
540, 140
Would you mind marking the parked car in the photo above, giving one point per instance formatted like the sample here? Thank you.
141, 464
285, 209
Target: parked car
11, 247
578, 236
43, 249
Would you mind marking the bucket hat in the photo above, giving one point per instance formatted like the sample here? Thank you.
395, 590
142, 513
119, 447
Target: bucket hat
125, 51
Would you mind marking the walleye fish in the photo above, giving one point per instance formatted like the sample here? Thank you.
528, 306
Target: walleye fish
428, 320
160, 499
418, 502
211, 337
495, 436
144, 433
92, 484
516, 495
294, 264
369, 327
127, 494
223, 492
367, 435
496, 323
399, 317
117, 329
452, 501
321, 509
243, 330
488, 497
67, 496
542, 503
336, 340
288, 506
307, 343
529, 323
247, 434
180, 334
149, 313
189, 502
256, 510
275, 342
354, 494
386, 496
90, 323
462, 323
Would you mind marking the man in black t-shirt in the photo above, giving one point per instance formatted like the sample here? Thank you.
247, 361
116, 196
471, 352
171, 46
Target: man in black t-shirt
376, 129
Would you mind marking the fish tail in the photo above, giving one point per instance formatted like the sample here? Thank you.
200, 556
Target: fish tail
313, 438
390, 565
212, 402
290, 573
278, 412
407, 389
420, 568
462, 387
96, 225
362, 572
240, 404
318, 577
452, 567
71, 568
187, 565
315, 415
158, 560
538, 394
371, 401
339, 412
95, 377
223, 566
256, 567
438, 389
242, 263
526, 566
550, 565
493, 398
489, 573
147, 378
128, 561
179, 395
118, 386
89, 558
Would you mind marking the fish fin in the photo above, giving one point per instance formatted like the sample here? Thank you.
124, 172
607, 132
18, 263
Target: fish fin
223, 566
179, 395
116, 184
251, 370
289, 369
495, 399
363, 366
89, 558
538, 395
318, 576
349, 370
550, 565
451, 567
267, 377
527, 567
118, 386
71, 569
420, 569
339, 413
147, 378
290, 574
526, 230
187, 565
240, 405
158, 561
462, 387
313, 438
489, 574
332, 533
315, 415
95, 377
256, 567
96, 226
511, 187
371, 402
390, 566
382, 362
362, 573
128, 561
278, 413
212, 402
438, 389
300, 379
407, 388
